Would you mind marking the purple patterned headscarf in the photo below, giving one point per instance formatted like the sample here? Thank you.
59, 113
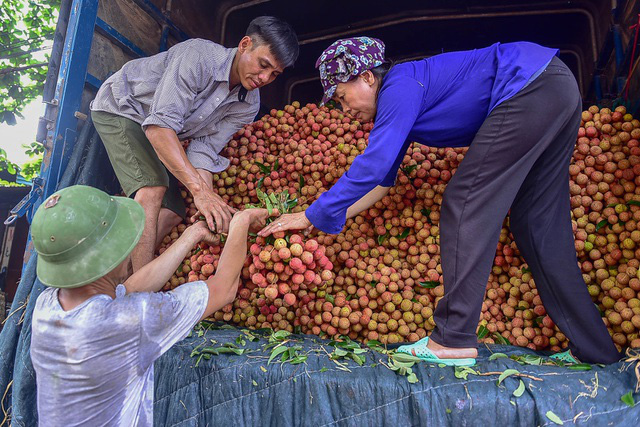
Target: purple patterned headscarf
346, 59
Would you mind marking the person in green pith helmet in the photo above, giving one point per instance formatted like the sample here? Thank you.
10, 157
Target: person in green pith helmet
96, 335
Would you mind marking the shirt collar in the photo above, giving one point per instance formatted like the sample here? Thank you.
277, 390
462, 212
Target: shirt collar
225, 72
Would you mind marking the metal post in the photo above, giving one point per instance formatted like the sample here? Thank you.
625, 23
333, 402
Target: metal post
68, 94
598, 87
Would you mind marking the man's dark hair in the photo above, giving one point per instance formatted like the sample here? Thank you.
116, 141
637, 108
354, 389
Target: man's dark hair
278, 35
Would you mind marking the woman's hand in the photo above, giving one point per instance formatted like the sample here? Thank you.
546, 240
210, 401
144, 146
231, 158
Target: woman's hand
294, 221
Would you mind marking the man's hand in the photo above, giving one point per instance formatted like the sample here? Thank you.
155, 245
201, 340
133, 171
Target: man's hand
294, 221
213, 208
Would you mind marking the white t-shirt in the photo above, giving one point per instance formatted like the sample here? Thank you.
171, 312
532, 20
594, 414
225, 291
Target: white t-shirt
94, 364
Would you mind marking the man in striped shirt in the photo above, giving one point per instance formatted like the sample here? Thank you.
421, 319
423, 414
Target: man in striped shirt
196, 90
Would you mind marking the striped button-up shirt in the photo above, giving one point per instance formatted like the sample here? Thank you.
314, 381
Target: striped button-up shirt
185, 89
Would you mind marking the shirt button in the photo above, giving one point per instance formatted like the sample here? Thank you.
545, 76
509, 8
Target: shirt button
200, 117
217, 99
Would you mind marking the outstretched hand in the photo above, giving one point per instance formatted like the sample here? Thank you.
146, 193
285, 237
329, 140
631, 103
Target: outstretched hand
205, 234
293, 221
213, 208
255, 218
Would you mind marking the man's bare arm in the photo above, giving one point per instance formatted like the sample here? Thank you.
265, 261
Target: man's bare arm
153, 276
223, 285
170, 152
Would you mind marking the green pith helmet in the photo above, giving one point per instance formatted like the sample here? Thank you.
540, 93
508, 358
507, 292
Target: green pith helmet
81, 233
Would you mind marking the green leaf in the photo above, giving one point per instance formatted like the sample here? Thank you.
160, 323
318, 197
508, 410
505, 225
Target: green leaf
263, 168
374, 343
329, 298
430, 284
628, 399
404, 234
507, 373
482, 332
382, 238
580, 367
323, 369
269, 206
633, 203
462, 372
404, 357
338, 352
402, 364
223, 350
412, 378
255, 384
260, 182
276, 352
495, 356
298, 359
601, 224
357, 358
500, 339
528, 359
275, 166
553, 417
518, 392
301, 181
408, 169
280, 335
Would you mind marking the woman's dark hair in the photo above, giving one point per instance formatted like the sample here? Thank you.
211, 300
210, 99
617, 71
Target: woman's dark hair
278, 35
381, 70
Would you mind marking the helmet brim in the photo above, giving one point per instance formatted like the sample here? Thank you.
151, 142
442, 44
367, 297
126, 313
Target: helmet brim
103, 256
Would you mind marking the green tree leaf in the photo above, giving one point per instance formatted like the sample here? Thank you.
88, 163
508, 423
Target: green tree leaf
430, 284
628, 399
507, 373
553, 417
276, 352
265, 169
518, 392
495, 356
601, 224
482, 332
26, 37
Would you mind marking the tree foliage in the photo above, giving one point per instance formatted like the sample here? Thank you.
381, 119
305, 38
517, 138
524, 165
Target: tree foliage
27, 28
26, 36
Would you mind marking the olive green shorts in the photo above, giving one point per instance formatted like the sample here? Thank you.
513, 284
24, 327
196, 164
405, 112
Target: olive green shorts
134, 160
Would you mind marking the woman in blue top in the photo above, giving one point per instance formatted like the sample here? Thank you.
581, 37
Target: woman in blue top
517, 107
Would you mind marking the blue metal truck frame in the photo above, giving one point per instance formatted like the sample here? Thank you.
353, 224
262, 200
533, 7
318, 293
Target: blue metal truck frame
71, 81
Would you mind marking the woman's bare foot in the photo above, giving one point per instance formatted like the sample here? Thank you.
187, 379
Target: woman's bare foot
451, 353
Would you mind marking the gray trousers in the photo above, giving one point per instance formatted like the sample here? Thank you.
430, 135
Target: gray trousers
519, 160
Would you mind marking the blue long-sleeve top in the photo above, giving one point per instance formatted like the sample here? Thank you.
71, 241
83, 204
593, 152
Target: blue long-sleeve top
439, 101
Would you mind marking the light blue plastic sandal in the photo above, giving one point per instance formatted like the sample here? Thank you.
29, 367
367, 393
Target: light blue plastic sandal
565, 357
419, 349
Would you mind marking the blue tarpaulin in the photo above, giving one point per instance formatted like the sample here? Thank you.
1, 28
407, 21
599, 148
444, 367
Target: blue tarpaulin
244, 389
